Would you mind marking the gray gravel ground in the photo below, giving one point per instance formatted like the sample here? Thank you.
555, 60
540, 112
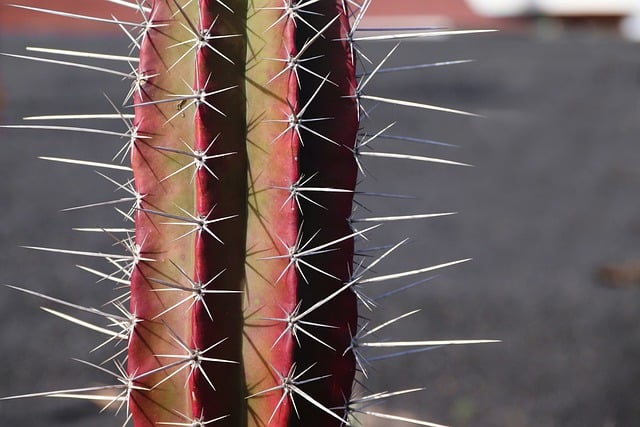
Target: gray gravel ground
551, 198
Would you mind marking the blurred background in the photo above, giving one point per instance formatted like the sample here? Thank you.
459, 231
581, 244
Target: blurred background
550, 212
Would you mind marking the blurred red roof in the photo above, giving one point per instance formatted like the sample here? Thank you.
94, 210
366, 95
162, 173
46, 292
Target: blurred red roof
453, 13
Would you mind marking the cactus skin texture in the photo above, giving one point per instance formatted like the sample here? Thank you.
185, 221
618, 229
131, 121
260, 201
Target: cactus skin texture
243, 295
246, 114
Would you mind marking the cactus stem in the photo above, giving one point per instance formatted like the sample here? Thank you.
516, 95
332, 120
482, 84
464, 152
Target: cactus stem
289, 385
198, 291
197, 98
201, 39
298, 189
349, 285
294, 62
193, 360
294, 322
200, 159
292, 11
223, 4
296, 121
199, 223
296, 252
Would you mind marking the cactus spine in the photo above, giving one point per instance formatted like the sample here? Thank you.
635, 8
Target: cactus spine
242, 306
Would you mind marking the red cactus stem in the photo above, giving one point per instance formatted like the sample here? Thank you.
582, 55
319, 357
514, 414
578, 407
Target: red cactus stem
231, 129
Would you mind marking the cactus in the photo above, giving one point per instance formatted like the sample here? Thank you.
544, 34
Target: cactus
243, 283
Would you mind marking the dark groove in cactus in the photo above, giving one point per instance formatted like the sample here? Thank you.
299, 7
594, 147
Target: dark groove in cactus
332, 165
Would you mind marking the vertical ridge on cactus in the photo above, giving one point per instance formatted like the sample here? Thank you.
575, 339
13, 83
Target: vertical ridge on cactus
243, 286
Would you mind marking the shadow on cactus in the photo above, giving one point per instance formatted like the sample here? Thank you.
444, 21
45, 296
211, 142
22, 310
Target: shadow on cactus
244, 290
